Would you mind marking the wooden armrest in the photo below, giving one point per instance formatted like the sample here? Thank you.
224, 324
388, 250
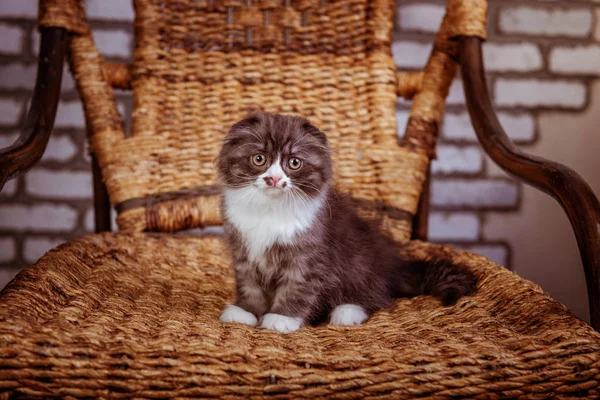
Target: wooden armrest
31, 144
565, 185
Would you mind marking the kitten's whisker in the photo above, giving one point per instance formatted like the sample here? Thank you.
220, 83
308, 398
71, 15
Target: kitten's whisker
304, 199
251, 196
246, 194
297, 195
239, 186
244, 183
312, 186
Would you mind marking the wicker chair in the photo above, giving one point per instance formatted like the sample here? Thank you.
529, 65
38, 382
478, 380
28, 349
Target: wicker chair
135, 313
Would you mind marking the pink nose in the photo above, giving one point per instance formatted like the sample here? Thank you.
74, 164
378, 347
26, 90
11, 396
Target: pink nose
275, 180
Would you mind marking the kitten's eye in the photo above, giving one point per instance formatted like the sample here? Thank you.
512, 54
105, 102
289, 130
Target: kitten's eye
259, 160
294, 163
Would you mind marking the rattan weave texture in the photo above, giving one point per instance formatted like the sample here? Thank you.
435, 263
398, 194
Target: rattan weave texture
126, 315
199, 66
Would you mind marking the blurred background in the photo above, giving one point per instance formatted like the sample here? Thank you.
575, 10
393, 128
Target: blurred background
543, 61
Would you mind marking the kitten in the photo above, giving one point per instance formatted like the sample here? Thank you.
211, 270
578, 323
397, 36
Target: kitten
301, 254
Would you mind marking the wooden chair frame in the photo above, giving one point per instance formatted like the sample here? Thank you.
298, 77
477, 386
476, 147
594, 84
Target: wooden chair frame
565, 185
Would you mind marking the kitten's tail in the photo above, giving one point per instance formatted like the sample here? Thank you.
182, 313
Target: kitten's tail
436, 277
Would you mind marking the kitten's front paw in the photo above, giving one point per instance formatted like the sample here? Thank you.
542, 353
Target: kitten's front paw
281, 323
348, 315
237, 314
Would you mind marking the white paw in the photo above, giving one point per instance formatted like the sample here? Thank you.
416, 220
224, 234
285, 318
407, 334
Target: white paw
233, 313
348, 315
281, 323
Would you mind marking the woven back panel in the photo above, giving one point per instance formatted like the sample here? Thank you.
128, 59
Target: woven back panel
200, 66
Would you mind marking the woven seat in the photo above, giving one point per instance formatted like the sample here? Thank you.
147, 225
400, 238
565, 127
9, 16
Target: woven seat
135, 315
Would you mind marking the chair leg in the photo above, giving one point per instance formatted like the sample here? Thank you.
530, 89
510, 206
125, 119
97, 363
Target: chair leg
421, 220
101, 200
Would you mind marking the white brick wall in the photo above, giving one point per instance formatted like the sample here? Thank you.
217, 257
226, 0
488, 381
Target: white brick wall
496, 253
520, 57
12, 39
8, 249
8, 139
18, 76
35, 247
113, 10
10, 111
70, 114
10, 188
43, 217
60, 148
411, 54
453, 159
456, 96
534, 93
454, 226
572, 22
519, 126
7, 274
113, 43
401, 121
575, 60
19, 8
474, 193
89, 222
420, 17
59, 184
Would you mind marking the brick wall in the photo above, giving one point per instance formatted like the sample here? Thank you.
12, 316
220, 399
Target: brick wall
542, 57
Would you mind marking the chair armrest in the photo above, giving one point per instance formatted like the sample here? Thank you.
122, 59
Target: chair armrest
35, 132
565, 185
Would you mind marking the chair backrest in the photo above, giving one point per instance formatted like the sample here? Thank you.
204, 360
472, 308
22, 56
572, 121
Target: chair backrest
201, 65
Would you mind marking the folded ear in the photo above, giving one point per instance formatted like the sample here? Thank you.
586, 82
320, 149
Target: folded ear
243, 127
314, 132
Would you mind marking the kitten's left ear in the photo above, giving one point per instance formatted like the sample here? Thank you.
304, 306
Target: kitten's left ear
314, 132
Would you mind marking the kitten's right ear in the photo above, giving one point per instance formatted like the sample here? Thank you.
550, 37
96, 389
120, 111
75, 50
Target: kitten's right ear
249, 120
240, 128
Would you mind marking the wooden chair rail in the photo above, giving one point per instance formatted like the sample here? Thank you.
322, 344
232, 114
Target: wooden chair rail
32, 141
565, 185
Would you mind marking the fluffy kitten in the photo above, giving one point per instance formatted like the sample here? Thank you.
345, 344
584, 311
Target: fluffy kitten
301, 254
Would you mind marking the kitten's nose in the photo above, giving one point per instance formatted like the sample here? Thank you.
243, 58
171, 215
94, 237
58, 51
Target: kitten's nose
272, 180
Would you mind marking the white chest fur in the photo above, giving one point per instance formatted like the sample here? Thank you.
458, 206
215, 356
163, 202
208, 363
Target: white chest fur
264, 220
